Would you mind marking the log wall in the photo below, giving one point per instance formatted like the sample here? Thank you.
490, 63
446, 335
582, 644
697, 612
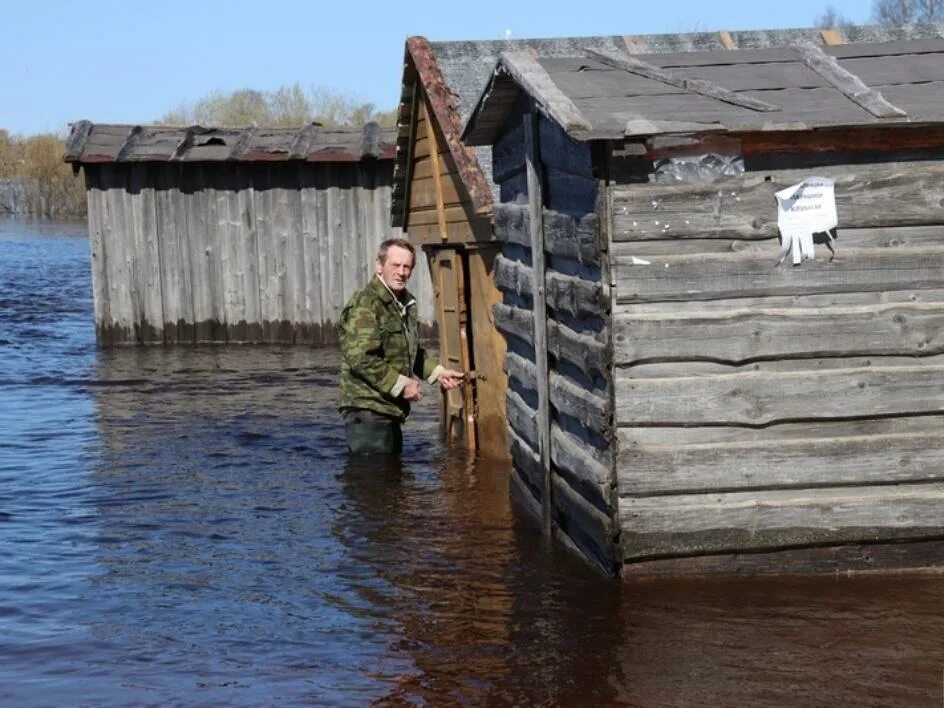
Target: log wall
762, 408
580, 485
191, 253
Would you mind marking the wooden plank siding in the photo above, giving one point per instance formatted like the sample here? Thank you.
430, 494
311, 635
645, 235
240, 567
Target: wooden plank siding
762, 408
581, 490
461, 251
235, 253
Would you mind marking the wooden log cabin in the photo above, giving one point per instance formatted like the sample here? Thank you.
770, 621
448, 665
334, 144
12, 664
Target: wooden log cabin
205, 235
443, 190
677, 401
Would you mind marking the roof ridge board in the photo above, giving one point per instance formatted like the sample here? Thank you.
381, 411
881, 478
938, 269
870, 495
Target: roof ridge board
846, 82
697, 86
531, 76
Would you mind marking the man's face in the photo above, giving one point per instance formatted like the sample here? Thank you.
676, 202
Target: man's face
396, 269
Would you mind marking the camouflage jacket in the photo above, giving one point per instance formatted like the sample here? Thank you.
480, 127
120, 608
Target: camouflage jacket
379, 343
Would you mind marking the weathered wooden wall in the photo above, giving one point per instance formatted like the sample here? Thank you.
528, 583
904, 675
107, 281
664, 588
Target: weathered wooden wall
462, 254
580, 485
759, 407
188, 253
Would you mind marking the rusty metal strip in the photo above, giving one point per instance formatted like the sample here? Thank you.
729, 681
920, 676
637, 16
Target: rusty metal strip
447, 115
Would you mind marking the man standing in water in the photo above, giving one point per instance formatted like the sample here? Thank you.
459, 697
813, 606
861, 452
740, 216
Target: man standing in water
379, 333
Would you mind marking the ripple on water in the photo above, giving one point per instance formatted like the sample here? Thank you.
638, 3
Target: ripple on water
183, 526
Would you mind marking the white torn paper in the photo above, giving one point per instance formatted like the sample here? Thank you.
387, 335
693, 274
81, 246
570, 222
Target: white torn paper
805, 209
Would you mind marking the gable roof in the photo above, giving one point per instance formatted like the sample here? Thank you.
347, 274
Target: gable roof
605, 95
98, 142
453, 75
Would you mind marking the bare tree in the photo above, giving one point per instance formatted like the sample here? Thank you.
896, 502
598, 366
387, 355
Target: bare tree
894, 13
287, 106
831, 17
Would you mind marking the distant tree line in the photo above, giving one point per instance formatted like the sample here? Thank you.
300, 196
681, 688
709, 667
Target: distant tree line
287, 106
35, 181
889, 13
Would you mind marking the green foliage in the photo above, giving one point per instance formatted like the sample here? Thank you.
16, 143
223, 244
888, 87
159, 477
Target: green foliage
35, 180
287, 106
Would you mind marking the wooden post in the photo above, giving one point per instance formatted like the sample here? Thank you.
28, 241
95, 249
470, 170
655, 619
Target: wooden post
536, 208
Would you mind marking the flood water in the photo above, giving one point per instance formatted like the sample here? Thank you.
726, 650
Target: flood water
182, 527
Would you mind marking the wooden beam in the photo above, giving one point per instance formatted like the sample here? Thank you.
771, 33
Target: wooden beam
442, 103
548, 98
434, 159
242, 144
536, 206
77, 139
846, 82
129, 144
701, 87
699, 524
831, 36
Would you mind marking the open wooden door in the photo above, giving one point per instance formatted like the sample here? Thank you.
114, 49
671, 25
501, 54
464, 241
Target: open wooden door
447, 267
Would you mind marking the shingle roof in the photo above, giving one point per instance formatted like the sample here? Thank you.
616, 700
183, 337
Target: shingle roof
611, 95
97, 142
454, 74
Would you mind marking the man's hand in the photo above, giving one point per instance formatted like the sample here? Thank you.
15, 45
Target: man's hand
449, 378
412, 392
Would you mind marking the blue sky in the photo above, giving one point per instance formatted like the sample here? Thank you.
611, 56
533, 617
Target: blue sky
131, 62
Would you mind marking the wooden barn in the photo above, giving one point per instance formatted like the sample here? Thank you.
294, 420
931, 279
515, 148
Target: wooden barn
678, 401
216, 235
443, 190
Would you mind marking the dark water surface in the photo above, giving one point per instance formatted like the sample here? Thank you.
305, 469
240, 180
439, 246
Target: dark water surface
182, 527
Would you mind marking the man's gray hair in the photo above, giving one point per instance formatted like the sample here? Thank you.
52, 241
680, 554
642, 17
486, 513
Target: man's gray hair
390, 242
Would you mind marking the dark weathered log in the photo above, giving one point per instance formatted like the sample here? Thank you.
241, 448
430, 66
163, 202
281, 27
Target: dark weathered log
710, 277
522, 418
508, 155
536, 197
583, 351
591, 530
762, 398
744, 334
567, 397
568, 193
561, 152
564, 235
528, 465
779, 463
568, 293
749, 521
866, 196
886, 237
580, 464
917, 556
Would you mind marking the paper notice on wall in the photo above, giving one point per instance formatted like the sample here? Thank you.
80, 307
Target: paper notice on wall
805, 209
